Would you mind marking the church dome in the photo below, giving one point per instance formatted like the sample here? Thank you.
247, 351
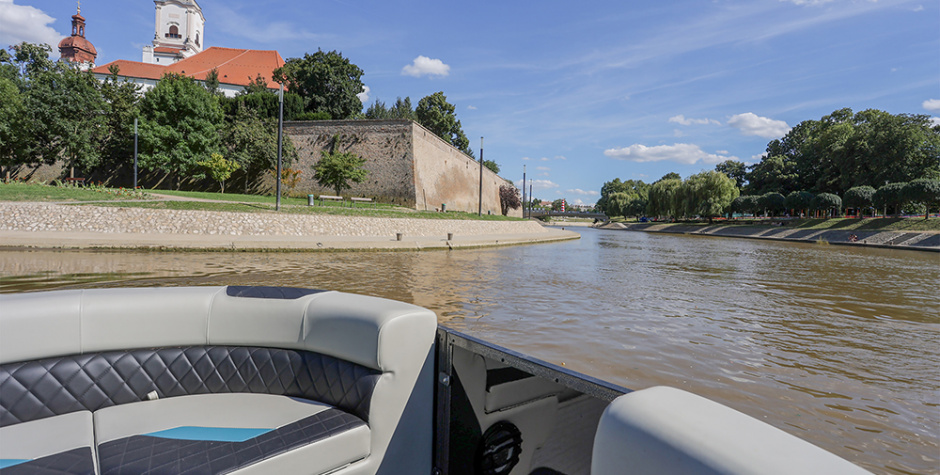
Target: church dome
78, 43
75, 47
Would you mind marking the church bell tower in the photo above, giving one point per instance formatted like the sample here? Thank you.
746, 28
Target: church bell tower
178, 32
76, 48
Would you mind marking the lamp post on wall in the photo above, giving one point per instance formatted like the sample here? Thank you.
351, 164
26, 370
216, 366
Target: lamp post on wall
480, 209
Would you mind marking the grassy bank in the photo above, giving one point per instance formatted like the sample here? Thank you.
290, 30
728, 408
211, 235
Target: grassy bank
202, 201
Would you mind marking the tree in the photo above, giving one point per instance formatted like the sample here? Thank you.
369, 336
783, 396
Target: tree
438, 116
212, 82
493, 166
773, 203
335, 170
401, 110
179, 127
509, 198
745, 204
12, 111
556, 205
772, 174
709, 194
859, 197
889, 195
328, 82
827, 202
264, 103
799, 201
117, 139
636, 187
219, 169
670, 176
662, 197
250, 139
924, 192
735, 170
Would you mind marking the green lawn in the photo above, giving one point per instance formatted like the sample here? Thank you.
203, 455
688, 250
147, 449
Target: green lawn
231, 202
32, 192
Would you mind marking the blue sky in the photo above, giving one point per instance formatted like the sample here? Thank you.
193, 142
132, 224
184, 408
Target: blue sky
579, 92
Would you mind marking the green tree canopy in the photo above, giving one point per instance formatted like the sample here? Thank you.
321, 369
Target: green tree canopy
923, 192
117, 139
800, 201
401, 110
251, 141
735, 170
438, 116
859, 197
773, 203
662, 197
179, 127
827, 202
889, 196
219, 168
328, 82
843, 150
709, 194
335, 170
745, 204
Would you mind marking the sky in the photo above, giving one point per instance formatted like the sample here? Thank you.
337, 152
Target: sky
578, 93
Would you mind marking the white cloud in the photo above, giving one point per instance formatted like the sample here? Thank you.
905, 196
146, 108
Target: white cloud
526, 158
935, 121
545, 159
578, 191
722, 152
19, 23
933, 105
677, 133
682, 120
473, 108
752, 124
424, 66
756, 158
538, 184
544, 169
364, 95
680, 153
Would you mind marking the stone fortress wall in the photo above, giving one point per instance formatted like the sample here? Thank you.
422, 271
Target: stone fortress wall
408, 164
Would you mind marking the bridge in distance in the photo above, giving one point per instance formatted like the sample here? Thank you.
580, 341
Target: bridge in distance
538, 213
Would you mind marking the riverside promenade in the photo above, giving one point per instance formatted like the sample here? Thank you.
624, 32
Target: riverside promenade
914, 240
55, 226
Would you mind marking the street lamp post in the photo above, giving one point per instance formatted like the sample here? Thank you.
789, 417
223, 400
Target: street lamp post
135, 153
523, 191
280, 137
480, 209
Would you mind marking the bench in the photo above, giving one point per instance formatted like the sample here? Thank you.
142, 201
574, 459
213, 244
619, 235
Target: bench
215, 379
75, 181
355, 200
310, 199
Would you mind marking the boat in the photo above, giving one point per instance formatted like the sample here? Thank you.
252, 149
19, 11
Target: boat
240, 379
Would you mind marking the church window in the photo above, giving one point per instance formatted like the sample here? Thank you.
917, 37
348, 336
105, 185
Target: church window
174, 32
197, 38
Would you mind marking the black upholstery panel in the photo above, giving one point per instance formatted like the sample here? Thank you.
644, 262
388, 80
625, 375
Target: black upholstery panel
37, 389
142, 454
258, 292
74, 462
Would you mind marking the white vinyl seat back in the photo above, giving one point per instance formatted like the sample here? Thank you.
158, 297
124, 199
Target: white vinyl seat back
663, 430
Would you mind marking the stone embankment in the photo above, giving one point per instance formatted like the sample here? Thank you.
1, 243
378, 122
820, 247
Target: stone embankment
918, 240
67, 226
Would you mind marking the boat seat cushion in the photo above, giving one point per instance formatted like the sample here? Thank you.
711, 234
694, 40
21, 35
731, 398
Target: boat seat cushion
36, 389
30, 448
221, 433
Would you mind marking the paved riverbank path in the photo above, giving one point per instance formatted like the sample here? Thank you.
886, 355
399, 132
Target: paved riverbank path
48, 225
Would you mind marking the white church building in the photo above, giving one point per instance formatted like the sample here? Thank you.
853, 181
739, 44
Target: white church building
178, 34
178, 47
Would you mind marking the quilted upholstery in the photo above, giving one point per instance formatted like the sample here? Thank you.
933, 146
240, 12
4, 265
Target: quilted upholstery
44, 388
73, 462
143, 454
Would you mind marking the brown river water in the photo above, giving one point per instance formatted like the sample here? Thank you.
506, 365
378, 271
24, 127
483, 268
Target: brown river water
837, 345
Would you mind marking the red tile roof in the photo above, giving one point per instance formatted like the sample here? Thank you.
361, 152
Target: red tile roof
166, 49
235, 66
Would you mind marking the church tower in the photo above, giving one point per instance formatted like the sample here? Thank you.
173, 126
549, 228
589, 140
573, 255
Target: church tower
178, 32
76, 48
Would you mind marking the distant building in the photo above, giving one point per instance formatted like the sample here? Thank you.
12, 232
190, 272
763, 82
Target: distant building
76, 48
236, 68
178, 32
179, 35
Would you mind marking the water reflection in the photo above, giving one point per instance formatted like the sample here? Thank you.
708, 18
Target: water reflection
836, 345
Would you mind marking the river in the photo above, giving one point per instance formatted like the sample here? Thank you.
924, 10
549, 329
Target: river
837, 345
